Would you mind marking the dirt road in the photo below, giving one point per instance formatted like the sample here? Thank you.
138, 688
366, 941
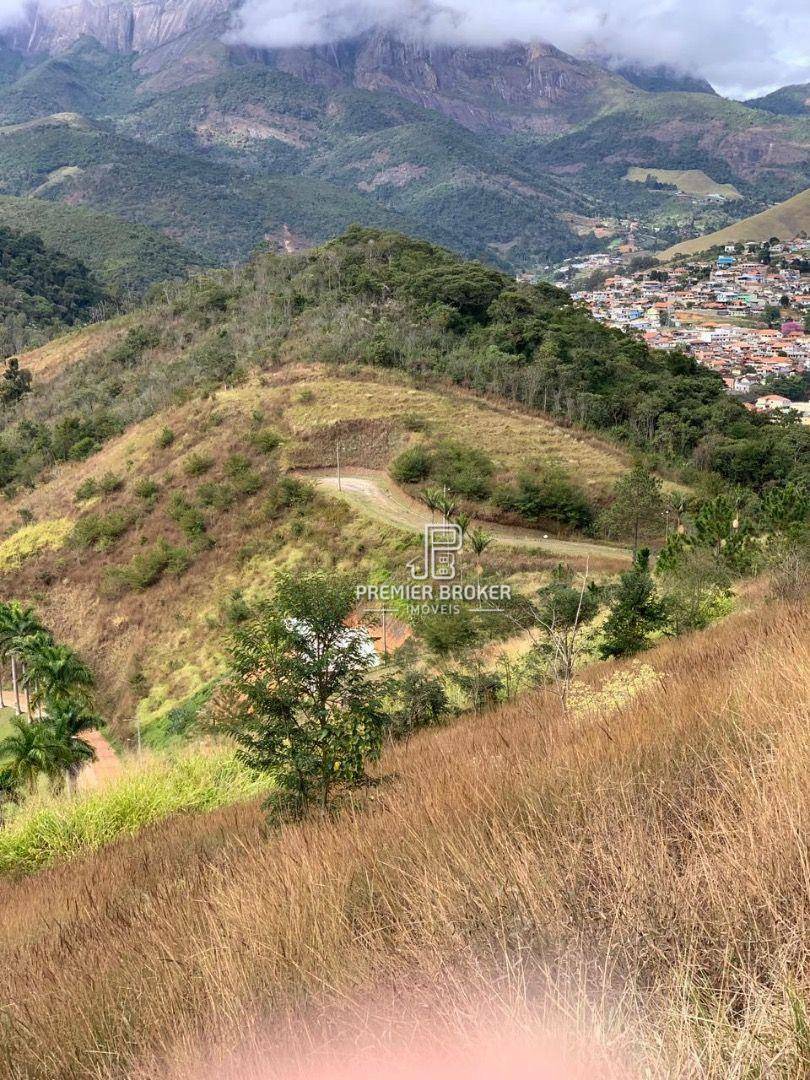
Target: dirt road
375, 495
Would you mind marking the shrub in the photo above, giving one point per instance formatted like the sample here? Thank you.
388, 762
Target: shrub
548, 495
146, 489
266, 440
245, 480
197, 464
100, 531
463, 470
412, 466
287, 493
148, 567
165, 438
217, 496
419, 701
187, 516
86, 490
137, 340
110, 482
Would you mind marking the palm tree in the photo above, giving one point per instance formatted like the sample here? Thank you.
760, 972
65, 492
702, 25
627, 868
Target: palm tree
67, 722
56, 674
17, 625
480, 540
447, 505
432, 497
29, 752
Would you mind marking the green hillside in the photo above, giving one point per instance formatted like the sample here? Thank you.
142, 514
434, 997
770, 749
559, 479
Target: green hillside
125, 256
785, 221
41, 290
788, 101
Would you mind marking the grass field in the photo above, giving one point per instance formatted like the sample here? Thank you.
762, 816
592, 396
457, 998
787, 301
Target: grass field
690, 181
53, 828
785, 220
631, 883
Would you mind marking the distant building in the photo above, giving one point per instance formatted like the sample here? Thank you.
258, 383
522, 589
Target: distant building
724, 261
772, 402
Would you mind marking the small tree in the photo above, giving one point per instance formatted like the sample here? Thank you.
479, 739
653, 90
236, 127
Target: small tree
15, 382
637, 506
636, 611
296, 698
562, 612
479, 540
419, 700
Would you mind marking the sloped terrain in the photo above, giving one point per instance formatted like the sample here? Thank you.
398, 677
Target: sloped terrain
627, 886
785, 221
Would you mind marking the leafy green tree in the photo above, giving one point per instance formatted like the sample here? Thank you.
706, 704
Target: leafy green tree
15, 382
54, 673
722, 526
419, 700
66, 722
636, 611
297, 699
637, 508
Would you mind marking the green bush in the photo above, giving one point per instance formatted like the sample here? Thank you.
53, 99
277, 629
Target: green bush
412, 466
148, 567
110, 482
462, 469
266, 440
547, 496
86, 490
146, 489
100, 531
197, 464
187, 516
133, 345
287, 493
217, 496
165, 438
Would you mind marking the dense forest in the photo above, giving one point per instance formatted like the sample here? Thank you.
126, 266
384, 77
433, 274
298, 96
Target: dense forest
41, 290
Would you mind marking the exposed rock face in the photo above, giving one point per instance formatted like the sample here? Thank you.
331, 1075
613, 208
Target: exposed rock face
519, 87
120, 25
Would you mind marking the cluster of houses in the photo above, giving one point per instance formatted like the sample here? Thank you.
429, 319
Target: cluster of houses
741, 317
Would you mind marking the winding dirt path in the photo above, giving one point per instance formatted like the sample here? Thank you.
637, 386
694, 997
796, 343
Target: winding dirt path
375, 495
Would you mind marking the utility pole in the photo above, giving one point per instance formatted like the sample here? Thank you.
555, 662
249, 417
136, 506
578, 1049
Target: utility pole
337, 452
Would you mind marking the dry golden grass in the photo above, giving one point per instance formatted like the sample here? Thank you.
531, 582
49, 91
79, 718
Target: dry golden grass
637, 880
48, 359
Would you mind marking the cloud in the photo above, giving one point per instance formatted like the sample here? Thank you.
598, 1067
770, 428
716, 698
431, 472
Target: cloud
742, 46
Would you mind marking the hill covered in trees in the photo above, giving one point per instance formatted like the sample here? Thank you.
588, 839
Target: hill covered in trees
41, 290
382, 300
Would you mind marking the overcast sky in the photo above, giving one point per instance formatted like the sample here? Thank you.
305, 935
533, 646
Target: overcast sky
744, 47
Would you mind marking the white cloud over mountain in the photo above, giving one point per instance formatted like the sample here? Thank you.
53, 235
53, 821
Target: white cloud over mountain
741, 46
